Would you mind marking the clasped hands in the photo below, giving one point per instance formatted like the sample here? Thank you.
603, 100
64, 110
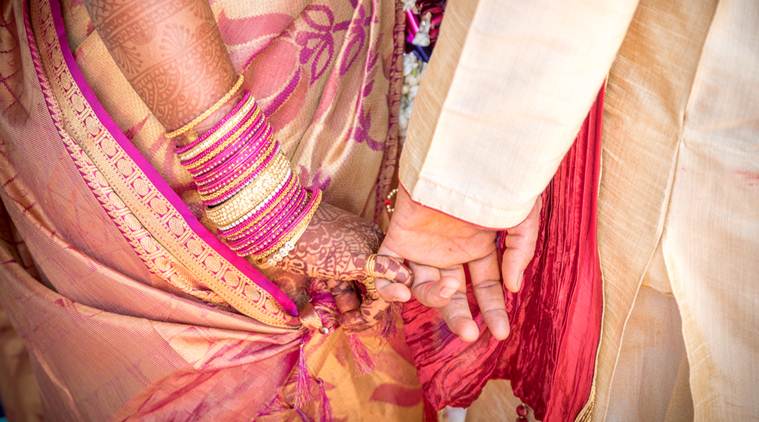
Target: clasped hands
437, 246
337, 245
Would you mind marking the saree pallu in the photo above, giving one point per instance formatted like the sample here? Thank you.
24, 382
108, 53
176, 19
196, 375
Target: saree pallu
138, 312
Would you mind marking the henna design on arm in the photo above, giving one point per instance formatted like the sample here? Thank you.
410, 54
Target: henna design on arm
170, 51
172, 54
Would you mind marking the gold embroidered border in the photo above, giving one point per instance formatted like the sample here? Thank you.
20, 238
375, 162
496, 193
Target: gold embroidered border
127, 193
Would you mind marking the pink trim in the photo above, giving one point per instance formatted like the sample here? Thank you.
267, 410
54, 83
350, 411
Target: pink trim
241, 264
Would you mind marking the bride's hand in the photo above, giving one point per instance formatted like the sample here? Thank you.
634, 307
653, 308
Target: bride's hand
335, 247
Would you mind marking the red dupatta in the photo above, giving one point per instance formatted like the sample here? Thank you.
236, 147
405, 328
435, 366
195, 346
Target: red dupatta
555, 319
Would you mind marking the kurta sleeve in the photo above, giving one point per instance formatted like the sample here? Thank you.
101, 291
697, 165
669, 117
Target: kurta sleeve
507, 89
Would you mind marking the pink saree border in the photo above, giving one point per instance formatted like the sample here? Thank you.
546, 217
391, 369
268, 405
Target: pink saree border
155, 178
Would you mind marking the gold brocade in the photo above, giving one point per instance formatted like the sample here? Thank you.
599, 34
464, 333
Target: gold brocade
133, 188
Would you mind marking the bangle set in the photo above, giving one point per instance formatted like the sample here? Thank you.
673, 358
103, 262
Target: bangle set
247, 184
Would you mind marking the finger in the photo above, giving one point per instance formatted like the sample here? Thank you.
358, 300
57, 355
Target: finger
486, 282
373, 311
433, 287
426, 285
392, 287
346, 297
458, 317
451, 280
391, 268
354, 315
520, 248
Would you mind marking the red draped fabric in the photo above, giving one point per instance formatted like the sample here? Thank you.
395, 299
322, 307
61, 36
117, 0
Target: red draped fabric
556, 317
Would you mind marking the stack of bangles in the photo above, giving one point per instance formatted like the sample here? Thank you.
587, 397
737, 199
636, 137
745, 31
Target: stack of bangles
245, 181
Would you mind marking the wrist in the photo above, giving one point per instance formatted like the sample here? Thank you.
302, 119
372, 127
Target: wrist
442, 215
215, 117
247, 184
188, 131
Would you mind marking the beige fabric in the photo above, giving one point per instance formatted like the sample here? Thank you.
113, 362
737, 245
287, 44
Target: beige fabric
711, 238
678, 205
507, 104
647, 94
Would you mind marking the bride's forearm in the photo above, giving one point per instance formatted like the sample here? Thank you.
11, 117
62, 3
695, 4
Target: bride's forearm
171, 52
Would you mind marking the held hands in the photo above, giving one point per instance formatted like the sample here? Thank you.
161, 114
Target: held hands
335, 248
437, 246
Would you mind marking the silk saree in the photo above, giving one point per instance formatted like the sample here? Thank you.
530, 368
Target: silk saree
130, 308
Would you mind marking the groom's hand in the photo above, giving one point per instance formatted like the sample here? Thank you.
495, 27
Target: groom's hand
437, 246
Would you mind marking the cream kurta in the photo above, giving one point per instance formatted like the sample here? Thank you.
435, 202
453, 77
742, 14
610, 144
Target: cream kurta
510, 83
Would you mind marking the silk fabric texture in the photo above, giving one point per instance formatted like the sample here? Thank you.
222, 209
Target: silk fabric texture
139, 343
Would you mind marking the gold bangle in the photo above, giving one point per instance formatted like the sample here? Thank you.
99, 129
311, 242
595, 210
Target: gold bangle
252, 194
252, 167
216, 106
264, 208
234, 138
281, 230
261, 207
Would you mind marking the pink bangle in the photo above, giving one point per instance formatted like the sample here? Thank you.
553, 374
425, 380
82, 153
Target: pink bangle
220, 196
269, 250
288, 190
213, 149
184, 148
251, 141
258, 244
268, 223
220, 187
291, 220
229, 158
272, 222
248, 156
237, 158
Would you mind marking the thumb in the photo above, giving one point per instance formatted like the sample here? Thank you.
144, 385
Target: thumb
520, 242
